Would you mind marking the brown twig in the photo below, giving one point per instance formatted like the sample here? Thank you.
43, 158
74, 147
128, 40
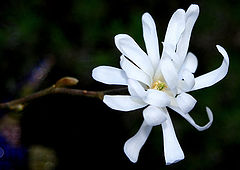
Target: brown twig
18, 104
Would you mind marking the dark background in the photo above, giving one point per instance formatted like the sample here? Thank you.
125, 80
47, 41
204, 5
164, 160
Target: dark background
42, 41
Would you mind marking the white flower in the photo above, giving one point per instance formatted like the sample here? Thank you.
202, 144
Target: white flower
159, 82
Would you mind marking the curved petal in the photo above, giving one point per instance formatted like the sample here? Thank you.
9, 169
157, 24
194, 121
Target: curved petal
154, 116
214, 76
109, 75
135, 143
191, 17
131, 50
133, 72
123, 102
191, 121
151, 39
187, 81
175, 28
185, 102
156, 98
172, 149
136, 89
190, 63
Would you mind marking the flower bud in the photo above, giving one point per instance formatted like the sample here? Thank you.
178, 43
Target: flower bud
66, 81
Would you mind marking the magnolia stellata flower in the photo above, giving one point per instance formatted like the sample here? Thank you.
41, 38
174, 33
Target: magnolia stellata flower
158, 82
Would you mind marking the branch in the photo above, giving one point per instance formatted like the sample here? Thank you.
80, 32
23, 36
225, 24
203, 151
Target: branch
58, 88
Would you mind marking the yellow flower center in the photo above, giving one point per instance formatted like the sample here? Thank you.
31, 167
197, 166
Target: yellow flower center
158, 85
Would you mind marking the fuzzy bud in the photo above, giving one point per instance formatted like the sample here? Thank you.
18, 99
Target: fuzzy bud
66, 81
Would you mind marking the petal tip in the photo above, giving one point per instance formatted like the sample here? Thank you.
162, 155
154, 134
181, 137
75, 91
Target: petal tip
130, 153
120, 36
194, 7
223, 52
210, 114
96, 72
175, 161
180, 11
146, 15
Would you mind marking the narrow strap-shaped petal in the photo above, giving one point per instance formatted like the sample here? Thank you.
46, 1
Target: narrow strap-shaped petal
169, 72
150, 38
133, 72
136, 89
190, 63
133, 145
123, 102
172, 149
109, 75
154, 116
191, 17
191, 121
128, 47
169, 51
175, 28
168, 65
214, 76
157, 98
185, 102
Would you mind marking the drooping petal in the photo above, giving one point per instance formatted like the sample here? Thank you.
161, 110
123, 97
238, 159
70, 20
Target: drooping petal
214, 76
109, 75
136, 89
154, 116
129, 48
191, 121
186, 81
133, 72
190, 63
123, 102
135, 143
185, 102
175, 28
150, 38
172, 149
191, 17
156, 98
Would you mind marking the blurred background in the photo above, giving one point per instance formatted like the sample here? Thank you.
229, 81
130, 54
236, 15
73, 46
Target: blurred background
42, 41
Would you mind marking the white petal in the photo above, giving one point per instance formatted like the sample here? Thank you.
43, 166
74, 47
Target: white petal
154, 116
109, 75
123, 102
191, 17
136, 89
190, 63
214, 76
185, 102
131, 50
186, 81
169, 51
133, 72
150, 38
175, 28
157, 98
135, 143
172, 149
167, 55
169, 72
191, 121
